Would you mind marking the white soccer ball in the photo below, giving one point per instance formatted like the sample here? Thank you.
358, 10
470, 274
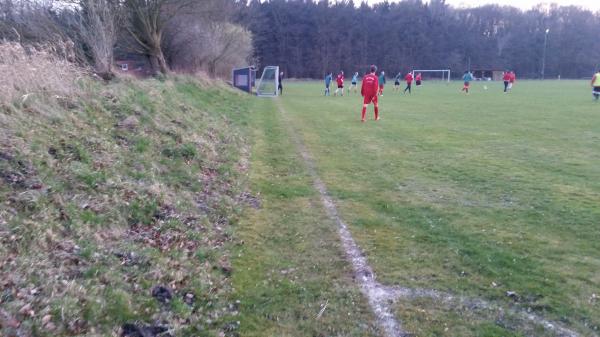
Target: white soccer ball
485, 87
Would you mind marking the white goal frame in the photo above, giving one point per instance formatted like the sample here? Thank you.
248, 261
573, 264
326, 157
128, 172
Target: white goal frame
260, 82
445, 73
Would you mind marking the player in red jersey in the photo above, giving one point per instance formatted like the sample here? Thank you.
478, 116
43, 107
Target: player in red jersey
340, 83
369, 90
512, 80
506, 78
418, 79
409, 79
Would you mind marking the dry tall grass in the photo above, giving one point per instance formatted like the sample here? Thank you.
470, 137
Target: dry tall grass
42, 70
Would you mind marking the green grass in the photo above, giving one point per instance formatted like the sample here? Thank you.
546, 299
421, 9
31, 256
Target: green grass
472, 194
94, 214
291, 263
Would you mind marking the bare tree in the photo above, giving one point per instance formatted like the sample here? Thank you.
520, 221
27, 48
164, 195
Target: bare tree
147, 20
207, 42
98, 26
226, 44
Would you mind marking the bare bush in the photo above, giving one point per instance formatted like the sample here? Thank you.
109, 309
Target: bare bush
226, 45
98, 26
30, 21
36, 70
207, 45
39, 22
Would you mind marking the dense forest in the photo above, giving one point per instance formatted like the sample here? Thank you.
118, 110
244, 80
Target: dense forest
308, 38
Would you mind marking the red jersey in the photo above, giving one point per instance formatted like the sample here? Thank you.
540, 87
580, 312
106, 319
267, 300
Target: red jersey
418, 78
506, 77
340, 79
513, 77
409, 78
370, 85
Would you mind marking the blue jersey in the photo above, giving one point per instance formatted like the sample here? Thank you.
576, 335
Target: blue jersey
468, 77
381, 79
354, 78
328, 79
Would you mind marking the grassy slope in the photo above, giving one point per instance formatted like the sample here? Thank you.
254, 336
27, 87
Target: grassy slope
107, 195
478, 195
291, 264
448, 192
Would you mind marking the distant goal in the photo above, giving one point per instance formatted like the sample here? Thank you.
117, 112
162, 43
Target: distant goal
268, 83
433, 74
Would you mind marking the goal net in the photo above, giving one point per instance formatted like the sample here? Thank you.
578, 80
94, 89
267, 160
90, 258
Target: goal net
433, 74
268, 83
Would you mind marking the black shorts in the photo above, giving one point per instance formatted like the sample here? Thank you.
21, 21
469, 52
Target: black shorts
340, 86
596, 90
396, 83
418, 83
353, 83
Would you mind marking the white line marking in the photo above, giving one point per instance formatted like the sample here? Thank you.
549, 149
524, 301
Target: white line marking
381, 297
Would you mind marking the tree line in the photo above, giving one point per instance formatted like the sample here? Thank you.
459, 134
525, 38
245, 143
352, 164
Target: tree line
180, 35
310, 38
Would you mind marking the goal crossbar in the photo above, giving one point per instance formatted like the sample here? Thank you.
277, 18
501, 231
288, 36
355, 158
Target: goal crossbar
445, 73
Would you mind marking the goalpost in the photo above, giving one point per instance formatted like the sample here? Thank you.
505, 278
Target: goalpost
445, 73
269, 82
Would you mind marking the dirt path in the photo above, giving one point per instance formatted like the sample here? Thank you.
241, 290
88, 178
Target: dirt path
381, 298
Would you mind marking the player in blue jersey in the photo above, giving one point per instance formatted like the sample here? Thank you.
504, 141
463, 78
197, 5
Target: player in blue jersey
328, 79
353, 84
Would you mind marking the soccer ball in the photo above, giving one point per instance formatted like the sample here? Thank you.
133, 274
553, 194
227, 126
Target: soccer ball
485, 87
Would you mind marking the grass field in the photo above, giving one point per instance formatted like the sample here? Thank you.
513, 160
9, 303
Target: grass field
479, 196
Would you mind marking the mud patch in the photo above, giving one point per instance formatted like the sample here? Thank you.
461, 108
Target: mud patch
250, 200
17, 173
139, 330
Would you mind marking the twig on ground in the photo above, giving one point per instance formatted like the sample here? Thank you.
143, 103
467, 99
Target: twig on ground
322, 309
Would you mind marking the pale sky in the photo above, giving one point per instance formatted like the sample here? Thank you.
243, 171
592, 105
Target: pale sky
523, 4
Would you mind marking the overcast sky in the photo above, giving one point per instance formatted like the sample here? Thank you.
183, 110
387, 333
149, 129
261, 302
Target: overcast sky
523, 4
